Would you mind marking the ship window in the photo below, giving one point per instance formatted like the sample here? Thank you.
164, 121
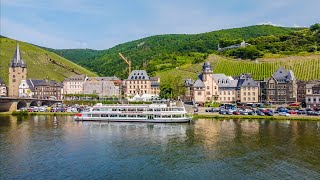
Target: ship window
95, 115
113, 115
132, 116
104, 115
141, 116
122, 115
96, 109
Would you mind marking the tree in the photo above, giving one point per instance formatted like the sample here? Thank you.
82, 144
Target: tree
315, 27
173, 88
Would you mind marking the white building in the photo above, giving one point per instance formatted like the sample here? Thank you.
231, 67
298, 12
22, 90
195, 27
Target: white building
74, 84
3, 88
24, 90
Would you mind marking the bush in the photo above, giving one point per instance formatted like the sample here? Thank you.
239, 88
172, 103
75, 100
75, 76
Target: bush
20, 113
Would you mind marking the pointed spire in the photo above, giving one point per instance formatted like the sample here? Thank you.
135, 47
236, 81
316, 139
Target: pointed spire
17, 60
17, 55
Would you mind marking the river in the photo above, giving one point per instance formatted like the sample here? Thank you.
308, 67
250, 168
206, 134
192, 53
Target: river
48, 147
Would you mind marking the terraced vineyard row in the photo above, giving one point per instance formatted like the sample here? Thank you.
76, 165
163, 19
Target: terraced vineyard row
304, 68
307, 69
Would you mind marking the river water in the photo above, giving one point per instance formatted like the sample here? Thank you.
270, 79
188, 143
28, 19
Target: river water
47, 147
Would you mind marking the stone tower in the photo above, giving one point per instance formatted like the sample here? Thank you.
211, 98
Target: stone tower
17, 73
206, 71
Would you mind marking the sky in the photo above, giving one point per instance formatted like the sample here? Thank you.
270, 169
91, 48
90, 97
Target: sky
102, 24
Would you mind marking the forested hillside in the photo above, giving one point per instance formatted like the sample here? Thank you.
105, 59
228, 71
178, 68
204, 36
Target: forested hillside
164, 52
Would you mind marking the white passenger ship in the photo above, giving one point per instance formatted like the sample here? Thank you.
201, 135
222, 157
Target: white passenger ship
161, 113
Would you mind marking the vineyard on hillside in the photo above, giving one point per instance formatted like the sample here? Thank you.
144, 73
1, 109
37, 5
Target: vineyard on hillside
304, 67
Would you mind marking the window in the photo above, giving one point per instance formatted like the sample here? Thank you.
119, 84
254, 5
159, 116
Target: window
208, 87
248, 93
224, 98
228, 98
199, 93
232, 98
253, 93
248, 98
13, 80
245, 98
253, 98
14, 76
228, 92
249, 88
244, 93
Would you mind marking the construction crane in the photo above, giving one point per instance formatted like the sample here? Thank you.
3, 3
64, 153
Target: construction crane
127, 61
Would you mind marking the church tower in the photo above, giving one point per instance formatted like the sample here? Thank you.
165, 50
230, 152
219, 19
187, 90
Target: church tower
17, 73
206, 71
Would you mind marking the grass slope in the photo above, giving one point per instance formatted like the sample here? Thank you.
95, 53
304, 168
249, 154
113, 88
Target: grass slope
40, 63
305, 67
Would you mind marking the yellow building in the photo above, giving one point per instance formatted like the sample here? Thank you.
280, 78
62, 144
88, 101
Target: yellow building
220, 88
17, 73
140, 83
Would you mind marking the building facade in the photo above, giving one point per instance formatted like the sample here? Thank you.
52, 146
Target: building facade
25, 90
74, 84
313, 94
103, 86
249, 91
17, 73
41, 89
282, 87
140, 83
211, 87
301, 91
3, 88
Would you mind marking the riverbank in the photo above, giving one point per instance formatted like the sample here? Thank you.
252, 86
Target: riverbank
38, 113
219, 116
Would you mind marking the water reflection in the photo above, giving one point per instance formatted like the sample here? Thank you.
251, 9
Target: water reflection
53, 146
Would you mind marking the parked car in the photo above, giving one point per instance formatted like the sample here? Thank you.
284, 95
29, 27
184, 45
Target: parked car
236, 112
313, 113
284, 114
302, 112
268, 113
292, 112
244, 113
222, 111
260, 113
252, 113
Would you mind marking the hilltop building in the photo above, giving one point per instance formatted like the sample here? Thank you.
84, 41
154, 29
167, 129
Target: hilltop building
103, 86
282, 87
74, 84
17, 73
242, 44
3, 88
139, 83
224, 89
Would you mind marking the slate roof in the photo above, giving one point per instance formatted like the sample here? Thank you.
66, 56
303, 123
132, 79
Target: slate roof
32, 83
17, 60
138, 75
282, 75
81, 77
113, 78
188, 82
199, 84
249, 83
